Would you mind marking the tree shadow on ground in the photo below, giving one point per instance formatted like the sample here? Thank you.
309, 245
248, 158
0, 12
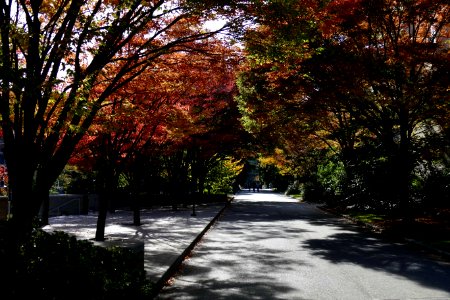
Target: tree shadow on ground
227, 273
373, 253
266, 234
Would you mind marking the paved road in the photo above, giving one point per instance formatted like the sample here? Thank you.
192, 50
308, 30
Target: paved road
267, 246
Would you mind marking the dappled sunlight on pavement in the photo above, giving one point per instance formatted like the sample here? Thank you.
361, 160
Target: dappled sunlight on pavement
165, 233
269, 246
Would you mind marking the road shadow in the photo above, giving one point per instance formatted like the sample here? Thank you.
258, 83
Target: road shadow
247, 235
265, 233
373, 253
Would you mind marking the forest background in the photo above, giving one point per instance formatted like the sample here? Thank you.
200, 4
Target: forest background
344, 101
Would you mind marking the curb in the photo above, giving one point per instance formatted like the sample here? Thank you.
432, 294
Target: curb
171, 271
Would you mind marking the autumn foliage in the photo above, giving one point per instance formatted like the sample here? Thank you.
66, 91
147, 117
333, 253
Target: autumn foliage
365, 79
63, 63
180, 107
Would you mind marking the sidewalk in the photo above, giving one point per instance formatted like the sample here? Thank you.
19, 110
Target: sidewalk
168, 236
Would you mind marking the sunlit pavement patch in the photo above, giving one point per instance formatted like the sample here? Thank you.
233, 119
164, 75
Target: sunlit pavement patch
165, 233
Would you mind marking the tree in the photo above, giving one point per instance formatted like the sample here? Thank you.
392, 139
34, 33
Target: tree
55, 57
184, 94
123, 128
306, 82
272, 97
403, 78
203, 126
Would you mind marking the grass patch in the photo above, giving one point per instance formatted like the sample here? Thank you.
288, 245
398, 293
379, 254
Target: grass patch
367, 217
297, 196
432, 230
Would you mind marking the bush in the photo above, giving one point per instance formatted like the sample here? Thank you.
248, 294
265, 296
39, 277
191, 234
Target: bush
434, 187
330, 175
221, 177
57, 266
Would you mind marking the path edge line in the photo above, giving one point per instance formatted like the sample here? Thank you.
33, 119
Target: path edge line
170, 272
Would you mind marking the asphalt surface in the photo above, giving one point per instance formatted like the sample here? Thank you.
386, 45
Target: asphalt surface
268, 246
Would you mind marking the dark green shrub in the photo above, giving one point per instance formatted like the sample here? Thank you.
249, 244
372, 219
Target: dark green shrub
57, 266
435, 188
330, 175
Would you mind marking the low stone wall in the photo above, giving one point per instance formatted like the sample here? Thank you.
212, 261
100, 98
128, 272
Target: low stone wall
61, 204
78, 204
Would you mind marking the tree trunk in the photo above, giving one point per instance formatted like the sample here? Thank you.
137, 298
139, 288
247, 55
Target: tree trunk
103, 199
403, 181
108, 186
24, 210
101, 219
136, 210
25, 203
43, 193
45, 178
29, 183
404, 168
45, 211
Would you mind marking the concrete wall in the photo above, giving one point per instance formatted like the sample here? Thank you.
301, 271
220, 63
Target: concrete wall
71, 204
